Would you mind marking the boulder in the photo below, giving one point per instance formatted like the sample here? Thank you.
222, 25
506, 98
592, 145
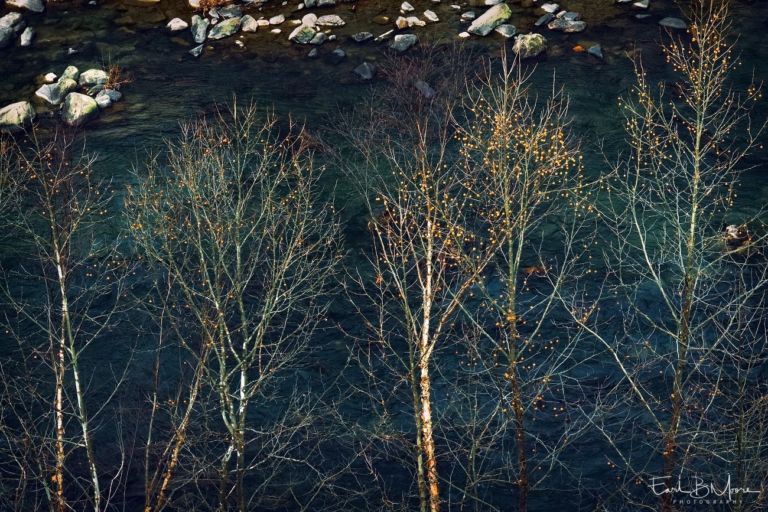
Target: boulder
79, 109
29, 5
248, 23
506, 30
330, 20
16, 116
26, 37
302, 34
199, 28
490, 19
402, 42
71, 72
177, 24
93, 77
10, 25
224, 29
55, 93
567, 26
529, 45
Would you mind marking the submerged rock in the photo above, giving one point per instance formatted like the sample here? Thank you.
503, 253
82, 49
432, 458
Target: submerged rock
529, 45
362, 37
675, 23
196, 51
16, 116
490, 19
402, 42
365, 71
79, 109
567, 26
596, 50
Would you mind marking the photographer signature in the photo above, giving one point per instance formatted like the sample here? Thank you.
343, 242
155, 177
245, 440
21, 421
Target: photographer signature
697, 488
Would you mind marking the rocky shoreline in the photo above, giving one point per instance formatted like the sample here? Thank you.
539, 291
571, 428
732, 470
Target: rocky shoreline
212, 25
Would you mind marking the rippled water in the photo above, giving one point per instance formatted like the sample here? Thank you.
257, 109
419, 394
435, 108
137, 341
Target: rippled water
168, 85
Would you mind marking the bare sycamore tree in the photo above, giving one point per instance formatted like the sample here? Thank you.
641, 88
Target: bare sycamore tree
60, 306
524, 174
242, 252
684, 273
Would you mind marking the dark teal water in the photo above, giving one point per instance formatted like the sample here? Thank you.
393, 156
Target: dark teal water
168, 87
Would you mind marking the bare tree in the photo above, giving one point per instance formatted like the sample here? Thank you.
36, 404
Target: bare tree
243, 253
61, 304
686, 283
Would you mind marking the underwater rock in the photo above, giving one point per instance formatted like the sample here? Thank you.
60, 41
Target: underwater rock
675, 23
490, 19
567, 26
196, 51
79, 109
529, 45
16, 116
365, 71
362, 37
596, 50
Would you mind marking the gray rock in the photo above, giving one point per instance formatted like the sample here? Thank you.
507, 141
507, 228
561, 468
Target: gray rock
529, 45
431, 16
26, 37
93, 77
567, 26
362, 37
177, 24
302, 34
402, 42
330, 20
319, 38
310, 3
425, 89
29, 5
325, 3
79, 109
571, 16
277, 20
10, 26
55, 93
103, 101
309, 20
596, 50
248, 23
313, 53
199, 28
113, 95
16, 116
226, 28
484, 3
490, 19
506, 30
544, 20
365, 71
230, 11
71, 72
196, 51
468, 16
406, 7
675, 23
